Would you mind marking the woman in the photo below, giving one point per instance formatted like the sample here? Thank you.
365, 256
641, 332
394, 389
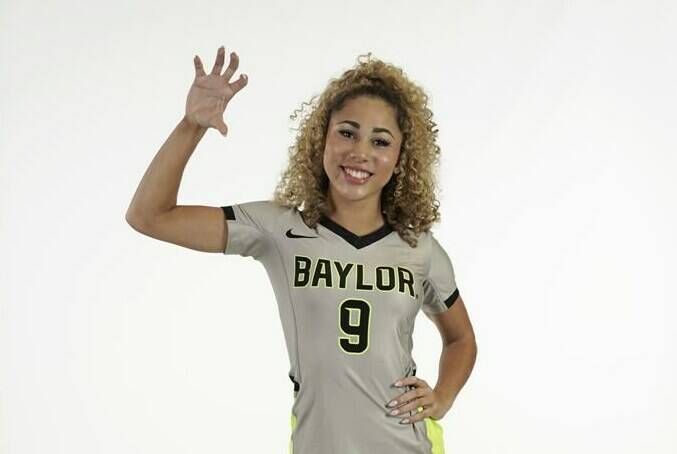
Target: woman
347, 246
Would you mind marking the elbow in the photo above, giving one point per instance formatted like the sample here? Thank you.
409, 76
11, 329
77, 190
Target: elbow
473, 349
467, 339
134, 221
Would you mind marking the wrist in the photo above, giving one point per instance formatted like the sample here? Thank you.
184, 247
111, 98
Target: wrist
445, 400
191, 125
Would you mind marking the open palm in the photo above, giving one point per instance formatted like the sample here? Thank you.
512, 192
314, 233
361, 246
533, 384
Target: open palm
210, 93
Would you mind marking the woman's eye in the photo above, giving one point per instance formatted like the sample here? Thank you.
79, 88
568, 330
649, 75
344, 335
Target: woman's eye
384, 143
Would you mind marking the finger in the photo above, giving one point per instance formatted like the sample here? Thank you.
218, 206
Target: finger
409, 380
220, 125
239, 83
199, 70
417, 417
411, 406
404, 381
232, 66
407, 397
218, 64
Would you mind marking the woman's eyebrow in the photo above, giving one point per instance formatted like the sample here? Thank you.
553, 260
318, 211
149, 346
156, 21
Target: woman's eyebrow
357, 125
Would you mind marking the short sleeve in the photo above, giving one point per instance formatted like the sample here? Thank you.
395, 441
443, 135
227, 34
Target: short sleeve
439, 286
249, 228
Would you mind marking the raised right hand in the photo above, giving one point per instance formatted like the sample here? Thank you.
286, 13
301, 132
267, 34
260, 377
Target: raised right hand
210, 93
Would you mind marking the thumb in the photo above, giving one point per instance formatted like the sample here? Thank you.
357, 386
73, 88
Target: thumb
221, 126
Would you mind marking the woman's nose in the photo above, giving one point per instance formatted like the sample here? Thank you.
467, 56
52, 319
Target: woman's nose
360, 150
358, 155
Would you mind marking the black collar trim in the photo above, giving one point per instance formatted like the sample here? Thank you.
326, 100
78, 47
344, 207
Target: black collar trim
356, 240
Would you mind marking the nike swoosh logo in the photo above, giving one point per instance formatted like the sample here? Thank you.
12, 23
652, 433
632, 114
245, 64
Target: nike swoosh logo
293, 235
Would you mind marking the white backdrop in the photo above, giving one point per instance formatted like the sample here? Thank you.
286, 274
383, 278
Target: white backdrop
557, 127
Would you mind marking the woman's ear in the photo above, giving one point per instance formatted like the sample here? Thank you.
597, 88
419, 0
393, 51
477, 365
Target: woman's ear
398, 165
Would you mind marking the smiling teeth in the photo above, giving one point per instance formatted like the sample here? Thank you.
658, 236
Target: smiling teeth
356, 173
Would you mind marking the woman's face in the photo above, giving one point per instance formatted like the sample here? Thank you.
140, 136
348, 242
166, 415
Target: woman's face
362, 135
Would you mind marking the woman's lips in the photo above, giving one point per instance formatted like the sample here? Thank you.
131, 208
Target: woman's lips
351, 179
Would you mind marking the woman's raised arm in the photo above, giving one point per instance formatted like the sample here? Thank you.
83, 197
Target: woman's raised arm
153, 210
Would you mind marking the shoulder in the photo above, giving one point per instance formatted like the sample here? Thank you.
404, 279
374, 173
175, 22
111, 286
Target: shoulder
265, 208
265, 215
425, 241
436, 255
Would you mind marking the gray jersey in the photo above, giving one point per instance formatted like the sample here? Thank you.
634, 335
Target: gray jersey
347, 304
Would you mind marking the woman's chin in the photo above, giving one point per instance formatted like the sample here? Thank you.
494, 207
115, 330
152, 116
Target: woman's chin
352, 192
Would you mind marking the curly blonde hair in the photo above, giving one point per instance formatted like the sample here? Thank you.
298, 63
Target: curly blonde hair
408, 200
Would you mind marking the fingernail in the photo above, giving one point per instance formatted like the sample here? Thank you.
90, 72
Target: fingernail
398, 383
404, 421
392, 403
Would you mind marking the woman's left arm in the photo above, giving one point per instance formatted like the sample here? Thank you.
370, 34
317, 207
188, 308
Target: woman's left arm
458, 353
458, 358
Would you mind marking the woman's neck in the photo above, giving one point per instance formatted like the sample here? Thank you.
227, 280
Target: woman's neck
360, 217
